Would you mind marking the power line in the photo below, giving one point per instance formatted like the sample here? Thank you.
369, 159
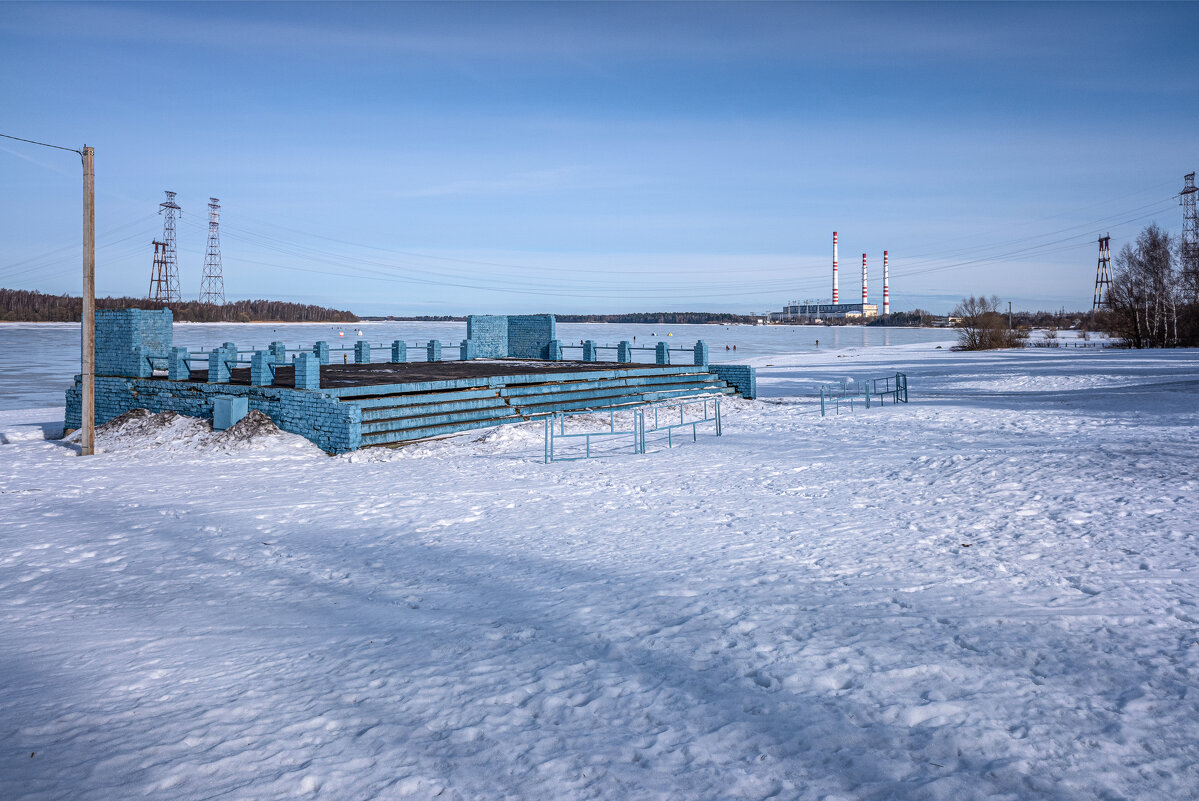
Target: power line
44, 144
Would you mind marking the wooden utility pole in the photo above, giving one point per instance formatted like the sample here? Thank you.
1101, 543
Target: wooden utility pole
87, 441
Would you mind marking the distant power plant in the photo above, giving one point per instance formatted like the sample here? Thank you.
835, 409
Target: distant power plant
164, 272
837, 309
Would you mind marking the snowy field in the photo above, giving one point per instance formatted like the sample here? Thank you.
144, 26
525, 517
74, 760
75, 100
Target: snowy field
989, 593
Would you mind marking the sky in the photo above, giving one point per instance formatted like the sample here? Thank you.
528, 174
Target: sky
455, 158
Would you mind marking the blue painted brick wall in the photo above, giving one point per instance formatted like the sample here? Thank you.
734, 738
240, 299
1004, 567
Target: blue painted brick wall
529, 335
489, 332
741, 377
120, 331
334, 426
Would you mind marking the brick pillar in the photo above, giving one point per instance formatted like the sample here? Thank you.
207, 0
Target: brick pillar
321, 351
261, 374
662, 353
142, 367
399, 351
589, 350
433, 351
362, 352
278, 352
178, 367
468, 350
308, 371
554, 350
701, 353
624, 352
218, 368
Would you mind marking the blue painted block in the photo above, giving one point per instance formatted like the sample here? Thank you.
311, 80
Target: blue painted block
262, 373
362, 352
178, 366
308, 371
701, 353
554, 350
589, 350
321, 351
278, 352
399, 351
662, 353
624, 352
468, 350
227, 410
433, 351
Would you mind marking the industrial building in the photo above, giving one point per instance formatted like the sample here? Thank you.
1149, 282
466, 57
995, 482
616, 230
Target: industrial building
837, 310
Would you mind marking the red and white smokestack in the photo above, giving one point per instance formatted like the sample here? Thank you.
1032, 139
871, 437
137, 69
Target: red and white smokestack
886, 284
863, 282
835, 298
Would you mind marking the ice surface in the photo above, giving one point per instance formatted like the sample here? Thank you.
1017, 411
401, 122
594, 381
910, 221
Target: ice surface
988, 593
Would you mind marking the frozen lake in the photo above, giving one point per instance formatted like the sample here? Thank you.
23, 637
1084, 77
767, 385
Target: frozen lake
39, 360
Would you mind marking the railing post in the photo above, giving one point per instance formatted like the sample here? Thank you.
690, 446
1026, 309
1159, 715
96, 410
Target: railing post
278, 351
433, 351
589, 350
624, 352
662, 353
554, 350
362, 352
321, 351
399, 351
701, 353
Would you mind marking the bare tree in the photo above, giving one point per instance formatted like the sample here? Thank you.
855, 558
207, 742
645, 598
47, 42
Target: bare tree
982, 327
1145, 293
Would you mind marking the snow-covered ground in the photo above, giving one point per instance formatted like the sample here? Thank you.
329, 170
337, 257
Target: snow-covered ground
987, 593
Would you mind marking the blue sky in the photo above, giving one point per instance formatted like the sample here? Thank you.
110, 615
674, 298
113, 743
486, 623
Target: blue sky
457, 157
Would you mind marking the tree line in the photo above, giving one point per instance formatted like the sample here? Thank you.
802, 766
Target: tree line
21, 305
1153, 301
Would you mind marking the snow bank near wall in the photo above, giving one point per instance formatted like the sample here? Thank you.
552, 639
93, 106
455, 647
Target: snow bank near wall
986, 594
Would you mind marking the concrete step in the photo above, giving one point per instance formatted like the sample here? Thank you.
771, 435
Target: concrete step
414, 434
423, 421
418, 409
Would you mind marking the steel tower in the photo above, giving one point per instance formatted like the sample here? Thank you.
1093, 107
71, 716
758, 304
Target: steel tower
1103, 275
158, 273
1189, 246
164, 279
212, 285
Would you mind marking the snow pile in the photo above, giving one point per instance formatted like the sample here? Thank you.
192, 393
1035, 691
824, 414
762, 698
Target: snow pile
174, 433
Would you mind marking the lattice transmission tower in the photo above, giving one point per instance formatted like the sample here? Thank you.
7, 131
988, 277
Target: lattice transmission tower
1189, 246
158, 273
164, 275
212, 285
1103, 275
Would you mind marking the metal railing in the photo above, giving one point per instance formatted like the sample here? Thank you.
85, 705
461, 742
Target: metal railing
867, 390
645, 419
